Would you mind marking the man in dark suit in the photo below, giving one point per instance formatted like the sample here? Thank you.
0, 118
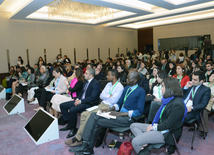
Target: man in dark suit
88, 97
164, 65
196, 96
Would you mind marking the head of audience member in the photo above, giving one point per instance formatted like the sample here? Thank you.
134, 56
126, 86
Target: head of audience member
65, 57
40, 59
118, 63
128, 63
208, 57
89, 66
68, 68
209, 66
121, 55
194, 64
89, 74
171, 65
100, 62
211, 78
132, 78
121, 69
173, 52
161, 76
180, 70
42, 69
18, 69
122, 62
20, 60
11, 69
36, 66
155, 71
109, 60
99, 68
78, 73
57, 72
76, 66
112, 75
30, 70
59, 56
142, 65
171, 87
163, 62
22, 69
197, 78
181, 55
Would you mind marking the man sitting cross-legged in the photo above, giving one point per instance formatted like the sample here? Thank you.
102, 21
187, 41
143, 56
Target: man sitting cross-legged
109, 96
132, 102
88, 96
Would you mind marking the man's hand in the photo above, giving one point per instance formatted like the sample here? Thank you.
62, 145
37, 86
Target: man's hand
189, 84
77, 102
149, 128
109, 109
67, 91
115, 113
53, 91
189, 108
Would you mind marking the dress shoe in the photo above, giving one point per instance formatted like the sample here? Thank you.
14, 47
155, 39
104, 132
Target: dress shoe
171, 149
145, 150
191, 129
72, 133
203, 134
71, 141
65, 128
84, 149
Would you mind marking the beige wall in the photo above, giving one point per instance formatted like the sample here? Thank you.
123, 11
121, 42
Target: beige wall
17, 36
203, 27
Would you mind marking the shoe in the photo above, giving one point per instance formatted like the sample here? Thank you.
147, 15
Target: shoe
31, 100
145, 150
61, 121
37, 109
65, 128
84, 149
77, 143
72, 133
203, 134
19, 94
171, 149
191, 129
73, 142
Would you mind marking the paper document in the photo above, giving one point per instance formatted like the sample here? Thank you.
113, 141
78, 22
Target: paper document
106, 115
92, 108
48, 89
24, 84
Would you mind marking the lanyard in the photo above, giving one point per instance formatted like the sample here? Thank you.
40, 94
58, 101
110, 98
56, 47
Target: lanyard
162, 114
193, 93
111, 90
159, 88
169, 72
152, 80
180, 78
28, 78
125, 97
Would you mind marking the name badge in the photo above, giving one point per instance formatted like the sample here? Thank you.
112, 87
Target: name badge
189, 103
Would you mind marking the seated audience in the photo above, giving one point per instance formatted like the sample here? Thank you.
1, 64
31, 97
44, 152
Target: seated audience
196, 96
169, 119
27, 83
209, 71
88, 97
109, 96
181, 75
122, 73
142, 69
209, 106
69, 70
73, 91
132, 103
59, 88
153, 77
172, 69
98, 73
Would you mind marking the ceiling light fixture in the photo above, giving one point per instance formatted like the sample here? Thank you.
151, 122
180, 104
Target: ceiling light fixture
79, 11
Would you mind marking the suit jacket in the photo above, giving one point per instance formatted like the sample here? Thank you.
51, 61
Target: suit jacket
172, 120
92, 93
61, 87
144, 83
201, 99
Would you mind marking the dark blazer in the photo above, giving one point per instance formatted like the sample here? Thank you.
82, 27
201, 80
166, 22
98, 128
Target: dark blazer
201, 99
172, 120
166, 68
144, 83
92, 94
123, 76
99, 76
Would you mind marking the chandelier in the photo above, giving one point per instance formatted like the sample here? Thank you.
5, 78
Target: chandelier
79, 11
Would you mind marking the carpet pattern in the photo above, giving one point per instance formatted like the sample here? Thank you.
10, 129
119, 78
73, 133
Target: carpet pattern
15, 141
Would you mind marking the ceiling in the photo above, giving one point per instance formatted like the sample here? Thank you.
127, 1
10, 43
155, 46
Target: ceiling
133, 14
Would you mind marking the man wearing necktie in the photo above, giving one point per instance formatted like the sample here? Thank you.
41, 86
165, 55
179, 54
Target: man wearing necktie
131, 102
88, 97
196, 96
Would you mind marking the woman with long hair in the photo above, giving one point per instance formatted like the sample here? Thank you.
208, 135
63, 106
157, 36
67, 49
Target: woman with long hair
172, 69
122, 73
169, 119
181, 75
72, 93
59, 88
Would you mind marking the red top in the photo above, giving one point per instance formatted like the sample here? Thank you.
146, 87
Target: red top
184, 80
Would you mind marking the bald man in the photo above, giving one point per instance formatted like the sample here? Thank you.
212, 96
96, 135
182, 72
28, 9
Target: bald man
132, 102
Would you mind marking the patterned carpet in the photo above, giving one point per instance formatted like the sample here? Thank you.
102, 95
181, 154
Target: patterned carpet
15, 141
